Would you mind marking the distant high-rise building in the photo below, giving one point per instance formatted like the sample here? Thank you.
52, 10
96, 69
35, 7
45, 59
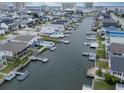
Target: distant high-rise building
68, 5
88, 4
19, 4
2, 6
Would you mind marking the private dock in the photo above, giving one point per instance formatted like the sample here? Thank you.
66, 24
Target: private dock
92, 56
23, 75
86, 87
44, 60
87, 54
39, 51
10, 76
90, 38
91, 72
90, 33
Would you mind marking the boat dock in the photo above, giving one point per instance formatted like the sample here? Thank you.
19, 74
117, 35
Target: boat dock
91, 72
86, 87
90, 38
44, 60
92, 56
87, 54
90, 33
39, 51
23, 76
10, 76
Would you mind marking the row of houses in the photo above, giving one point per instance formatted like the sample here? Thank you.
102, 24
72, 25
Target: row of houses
114, 37
58, 26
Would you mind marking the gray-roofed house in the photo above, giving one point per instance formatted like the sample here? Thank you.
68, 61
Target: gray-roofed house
11, 49
29, 39
106, 22
117, 66
117, 49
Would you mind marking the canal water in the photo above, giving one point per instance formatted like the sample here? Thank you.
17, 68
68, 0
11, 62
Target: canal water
66, 69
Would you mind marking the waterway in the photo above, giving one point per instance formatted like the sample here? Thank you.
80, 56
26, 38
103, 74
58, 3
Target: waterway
66, 69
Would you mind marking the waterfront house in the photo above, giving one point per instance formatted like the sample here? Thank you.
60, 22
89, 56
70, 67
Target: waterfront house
28, 39
2, 31
62, 22
3, 62
5, 26
119, 86
117, 66
104, 15
106, 22
104, 30
117, 49
13, 49
53, 30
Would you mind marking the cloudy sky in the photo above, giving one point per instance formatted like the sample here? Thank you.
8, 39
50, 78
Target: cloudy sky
79, 4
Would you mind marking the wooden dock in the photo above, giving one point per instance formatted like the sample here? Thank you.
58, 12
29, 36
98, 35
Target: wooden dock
91, 72
44, 60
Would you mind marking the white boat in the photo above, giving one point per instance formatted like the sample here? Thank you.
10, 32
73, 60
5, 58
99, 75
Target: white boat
67, 35
92, 57
93, 45
65, 41
53, 48
90, 38
85, 43
85, 54
44, 60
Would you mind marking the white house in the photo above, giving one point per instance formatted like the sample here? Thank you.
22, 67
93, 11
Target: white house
28, 39
2, 31
11, 49
3, 62
52, 31
3, 25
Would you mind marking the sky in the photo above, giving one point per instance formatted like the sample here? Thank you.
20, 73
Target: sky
79, 4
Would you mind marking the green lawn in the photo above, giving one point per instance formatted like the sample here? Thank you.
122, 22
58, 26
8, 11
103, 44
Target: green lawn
39, 47
102, 85
16, 63
103, 65
1, 76
50, 39
9, 68
101, 46
2, 37
100, 53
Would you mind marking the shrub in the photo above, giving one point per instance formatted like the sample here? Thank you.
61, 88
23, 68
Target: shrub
111, 79
99, 72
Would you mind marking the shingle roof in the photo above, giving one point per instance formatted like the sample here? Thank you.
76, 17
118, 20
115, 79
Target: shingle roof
108, 20
24, 37
117, 48
60, 22
15, 47
117, 63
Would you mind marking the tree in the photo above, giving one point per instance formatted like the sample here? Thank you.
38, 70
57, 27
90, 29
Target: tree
99, 72
19, 26
111, 79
